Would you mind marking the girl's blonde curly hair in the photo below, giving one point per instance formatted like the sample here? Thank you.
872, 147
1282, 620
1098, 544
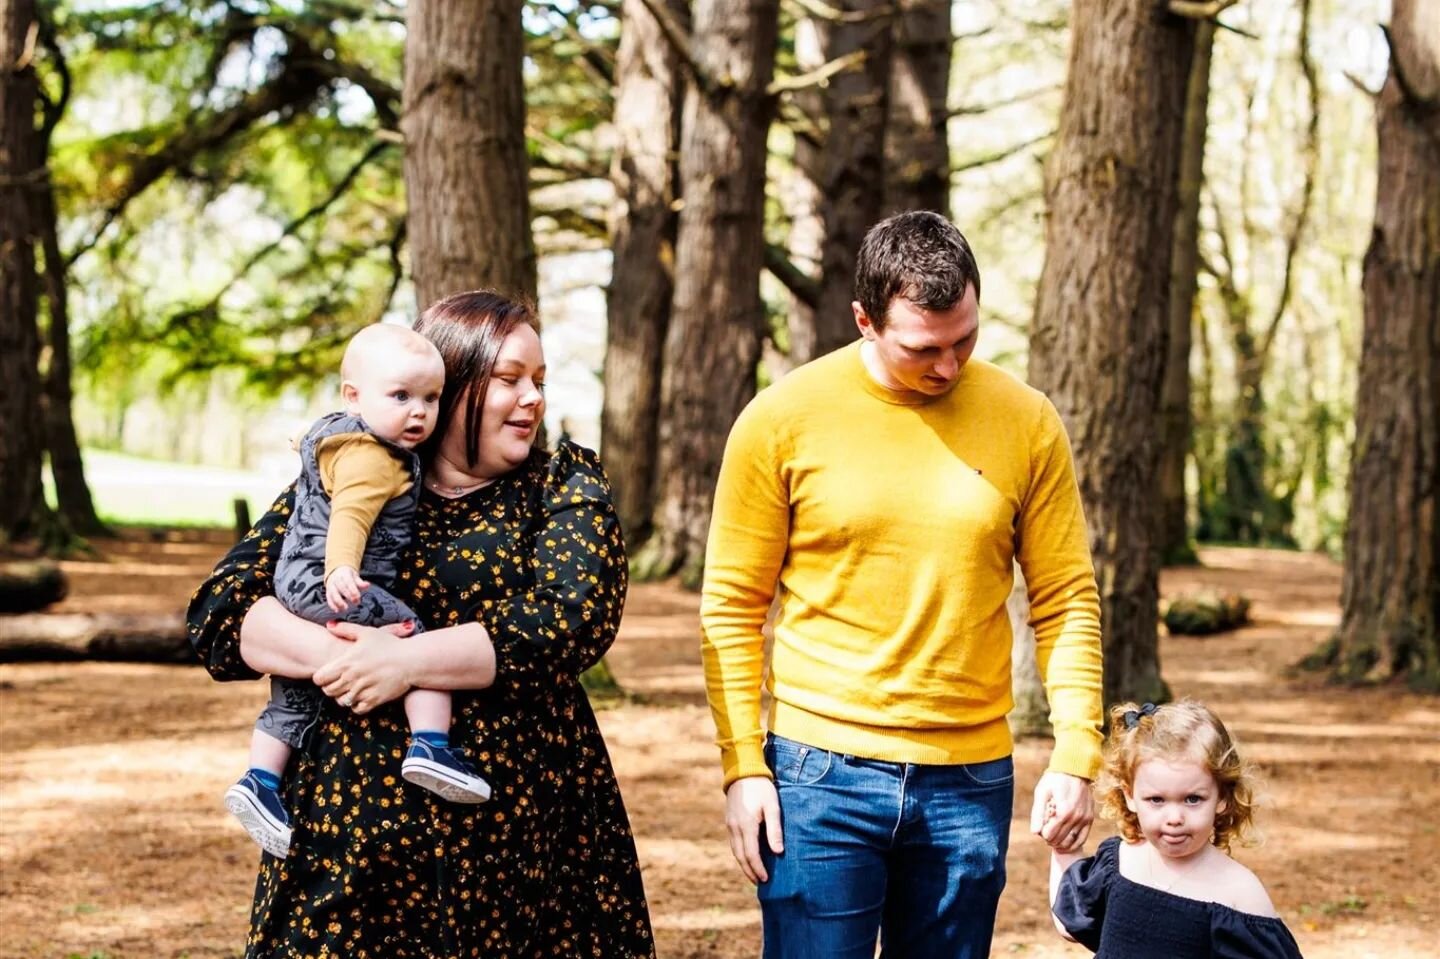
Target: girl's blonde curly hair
1176, 732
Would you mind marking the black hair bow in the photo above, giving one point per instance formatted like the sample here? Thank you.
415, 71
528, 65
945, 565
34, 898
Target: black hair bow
1132, 716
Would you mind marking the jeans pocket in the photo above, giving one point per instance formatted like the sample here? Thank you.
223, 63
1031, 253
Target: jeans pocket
994, 772
796, 764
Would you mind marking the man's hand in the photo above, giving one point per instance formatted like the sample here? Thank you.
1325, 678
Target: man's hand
1063, 811
751, 802
342, 587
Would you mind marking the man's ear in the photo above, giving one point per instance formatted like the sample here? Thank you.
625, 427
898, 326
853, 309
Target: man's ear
862, 320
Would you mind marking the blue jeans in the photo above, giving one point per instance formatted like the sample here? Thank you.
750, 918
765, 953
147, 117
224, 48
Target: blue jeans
915, 854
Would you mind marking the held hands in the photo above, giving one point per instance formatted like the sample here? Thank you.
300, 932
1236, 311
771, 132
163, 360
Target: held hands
370, 673
751, 802
342, 587
1063, 811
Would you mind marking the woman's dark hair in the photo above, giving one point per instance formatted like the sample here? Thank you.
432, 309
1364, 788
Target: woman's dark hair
919, 256
467, 329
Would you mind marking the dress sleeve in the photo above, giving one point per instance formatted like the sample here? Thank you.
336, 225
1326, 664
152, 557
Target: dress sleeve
569, 617
244, 576
1084, 891
1239, 935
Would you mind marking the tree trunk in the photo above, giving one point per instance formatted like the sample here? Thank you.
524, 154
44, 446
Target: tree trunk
466, 179
1175, 416
28, 585
74, 504
1391, 599
21, 440
642, 229
147, 638
843, 161
1097, 344
917, 150
718, 320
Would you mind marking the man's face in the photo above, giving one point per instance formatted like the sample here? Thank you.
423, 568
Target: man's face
920, 350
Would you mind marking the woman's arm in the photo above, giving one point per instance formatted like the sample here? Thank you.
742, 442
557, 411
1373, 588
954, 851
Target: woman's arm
563, 624
378, 667
274, 640
221, 603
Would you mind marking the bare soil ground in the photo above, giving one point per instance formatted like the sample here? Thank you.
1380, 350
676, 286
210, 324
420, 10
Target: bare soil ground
113, 842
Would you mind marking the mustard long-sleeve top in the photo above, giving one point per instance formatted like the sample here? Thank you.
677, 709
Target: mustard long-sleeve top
361, 476
886, 523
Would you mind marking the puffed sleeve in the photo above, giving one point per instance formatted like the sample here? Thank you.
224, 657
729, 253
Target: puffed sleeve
244, 576
569, 617
1239, 935
1084, 890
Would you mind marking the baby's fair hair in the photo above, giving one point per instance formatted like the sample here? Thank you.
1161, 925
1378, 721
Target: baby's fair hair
379, 342
1184, 731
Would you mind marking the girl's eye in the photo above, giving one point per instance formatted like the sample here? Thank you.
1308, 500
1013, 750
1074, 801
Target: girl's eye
508, 380
540, 387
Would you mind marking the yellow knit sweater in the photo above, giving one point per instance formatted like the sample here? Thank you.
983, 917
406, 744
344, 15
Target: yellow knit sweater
886, 523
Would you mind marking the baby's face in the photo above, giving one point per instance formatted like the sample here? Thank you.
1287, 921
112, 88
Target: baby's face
398, 395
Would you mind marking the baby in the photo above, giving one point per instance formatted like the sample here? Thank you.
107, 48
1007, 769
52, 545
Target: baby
354, 509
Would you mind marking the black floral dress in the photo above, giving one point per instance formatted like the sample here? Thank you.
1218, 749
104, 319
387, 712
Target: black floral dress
380, 869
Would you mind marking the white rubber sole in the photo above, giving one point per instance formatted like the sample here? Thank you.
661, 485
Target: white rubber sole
444, 782
271, 835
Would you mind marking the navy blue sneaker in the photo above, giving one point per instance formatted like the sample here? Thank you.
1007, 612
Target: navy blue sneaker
443, 772
260, 811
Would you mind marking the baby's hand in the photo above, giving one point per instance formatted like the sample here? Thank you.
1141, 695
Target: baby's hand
342, 587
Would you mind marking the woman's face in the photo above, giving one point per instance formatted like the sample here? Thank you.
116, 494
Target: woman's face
513, 410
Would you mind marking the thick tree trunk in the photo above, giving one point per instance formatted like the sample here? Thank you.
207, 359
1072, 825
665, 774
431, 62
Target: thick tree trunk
648, 94
149, 638
718, 320
1391, 621
466, 179
917, 150
1175, 416
74, 504
1097, 345
843, 162
21, 440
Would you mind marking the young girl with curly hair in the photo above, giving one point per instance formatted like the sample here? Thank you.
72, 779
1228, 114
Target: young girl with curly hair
1165, 886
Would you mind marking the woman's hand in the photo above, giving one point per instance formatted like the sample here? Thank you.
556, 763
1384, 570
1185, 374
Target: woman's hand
370, 673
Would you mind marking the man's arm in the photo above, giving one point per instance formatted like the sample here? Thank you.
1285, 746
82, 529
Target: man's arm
749, 533
1054, 555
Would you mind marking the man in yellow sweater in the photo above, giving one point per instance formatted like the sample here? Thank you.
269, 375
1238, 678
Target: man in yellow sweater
881, 493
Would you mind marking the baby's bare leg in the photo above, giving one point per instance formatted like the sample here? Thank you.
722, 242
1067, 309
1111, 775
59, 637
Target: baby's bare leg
428, 710
268, 753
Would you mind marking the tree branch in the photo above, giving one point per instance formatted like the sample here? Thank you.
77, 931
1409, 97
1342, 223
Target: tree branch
1310, 151
1199, 9
819, 10
805, 288
980, 108
998, 155
814, 78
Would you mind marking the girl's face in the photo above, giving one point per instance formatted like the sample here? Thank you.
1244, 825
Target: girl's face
1176, 803
512, 412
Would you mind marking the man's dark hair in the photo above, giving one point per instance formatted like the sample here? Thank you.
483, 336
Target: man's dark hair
920, 256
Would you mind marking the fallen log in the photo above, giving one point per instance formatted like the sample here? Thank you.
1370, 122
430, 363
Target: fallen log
30, 584
149, 638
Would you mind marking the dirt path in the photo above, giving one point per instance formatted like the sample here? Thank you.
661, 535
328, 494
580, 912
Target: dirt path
113, 844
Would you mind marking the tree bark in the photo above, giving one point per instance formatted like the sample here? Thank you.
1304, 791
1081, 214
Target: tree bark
843, 164
466, 170
1175, 418
717, 321
648, 95
1391, 621
1097, 344
917, 149
21, 441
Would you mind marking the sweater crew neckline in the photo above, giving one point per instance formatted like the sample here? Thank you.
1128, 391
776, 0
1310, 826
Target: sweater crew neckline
862, 375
